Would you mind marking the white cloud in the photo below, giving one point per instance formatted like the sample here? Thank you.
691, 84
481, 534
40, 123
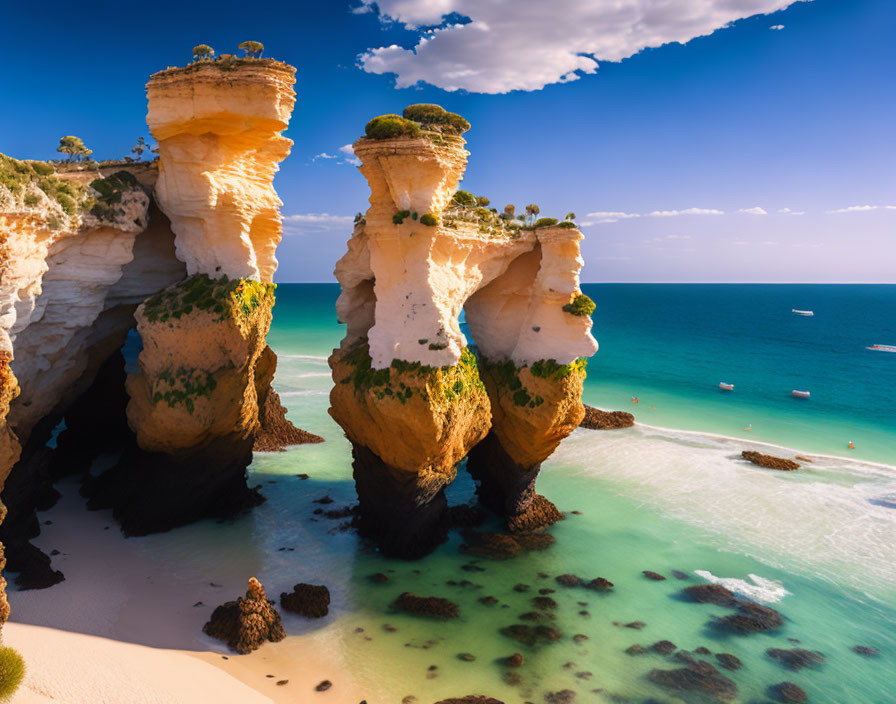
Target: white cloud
667, 238
688, 211
323, 155
304, 223
602, 216
788, 211
528, 44
349, 155
855, 209
753, 211
778, 27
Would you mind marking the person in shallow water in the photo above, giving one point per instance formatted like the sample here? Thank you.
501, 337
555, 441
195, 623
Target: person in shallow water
634, 399
851, 445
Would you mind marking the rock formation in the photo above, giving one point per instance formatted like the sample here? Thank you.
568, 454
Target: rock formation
179, 251
769, 461
247, 623
596, 419
194, 405
410, 393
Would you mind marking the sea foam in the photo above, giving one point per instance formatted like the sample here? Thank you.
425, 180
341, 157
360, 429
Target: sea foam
766, 591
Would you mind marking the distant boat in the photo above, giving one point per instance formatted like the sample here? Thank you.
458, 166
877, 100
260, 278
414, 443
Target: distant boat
806, 313
726, 387
882, 348
799, 394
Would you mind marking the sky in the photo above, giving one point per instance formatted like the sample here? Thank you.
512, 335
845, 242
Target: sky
697, 140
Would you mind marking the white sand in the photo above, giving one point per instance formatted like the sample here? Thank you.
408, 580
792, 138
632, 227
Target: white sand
123, 629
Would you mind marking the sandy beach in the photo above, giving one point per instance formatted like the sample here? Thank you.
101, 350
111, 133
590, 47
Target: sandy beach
123, 627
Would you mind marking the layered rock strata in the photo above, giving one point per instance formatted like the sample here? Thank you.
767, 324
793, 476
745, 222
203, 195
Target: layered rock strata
203, 386
410, 394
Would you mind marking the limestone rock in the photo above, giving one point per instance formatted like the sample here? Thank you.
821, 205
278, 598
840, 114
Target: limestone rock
247, 623
596, 419
770, 462
219, 134
415, 261
275, 432
308, 600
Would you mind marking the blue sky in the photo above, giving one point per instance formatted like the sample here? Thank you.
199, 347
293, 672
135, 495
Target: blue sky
783, 113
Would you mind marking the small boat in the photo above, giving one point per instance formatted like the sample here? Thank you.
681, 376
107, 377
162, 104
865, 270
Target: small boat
806, 313
882, 348
799, 394
726, 387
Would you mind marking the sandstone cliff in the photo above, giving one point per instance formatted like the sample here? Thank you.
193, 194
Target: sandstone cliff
409, 393
81, 247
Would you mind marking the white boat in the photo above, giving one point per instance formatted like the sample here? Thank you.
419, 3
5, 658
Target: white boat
882, 348
726, 387
799, 394
807, 313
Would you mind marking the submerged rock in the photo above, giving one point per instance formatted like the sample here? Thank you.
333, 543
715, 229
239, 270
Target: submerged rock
515, 660
307, 600
245, 624
788, 692
471, 699
596, 419
710, 594
795, 658
431, 606
599, 584
655, 576
494, 546
568, 580
769, 462
865, 650
564, 696
728, 661
699, 677
531, 635
751, 618
663, 647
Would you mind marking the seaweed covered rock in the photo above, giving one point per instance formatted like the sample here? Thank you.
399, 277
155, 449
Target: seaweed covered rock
431, 606
308, 600
770, 462
699, 678
596, 419
247, 623
751, 618
796, 658
709, 594
788, 693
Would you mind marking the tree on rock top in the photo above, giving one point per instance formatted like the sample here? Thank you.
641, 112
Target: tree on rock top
74, 148
202, 52
436, 118
390, 127
253, 50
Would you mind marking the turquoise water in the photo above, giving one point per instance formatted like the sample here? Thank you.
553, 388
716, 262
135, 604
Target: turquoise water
818, 544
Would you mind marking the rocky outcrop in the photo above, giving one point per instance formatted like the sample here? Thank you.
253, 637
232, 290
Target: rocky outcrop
596, 419
275, 432
770, 462
219, 130
416, 260
205, 372
247, 623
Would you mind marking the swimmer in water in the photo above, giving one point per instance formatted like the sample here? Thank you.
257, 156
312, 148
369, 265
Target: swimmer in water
634, 399
852, 445
749, 427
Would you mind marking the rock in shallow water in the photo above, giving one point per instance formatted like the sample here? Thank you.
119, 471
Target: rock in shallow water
710, 594
431, 606
308, 600
770, 462
699, 677
788, 692
245, 624
596, 419
795, 658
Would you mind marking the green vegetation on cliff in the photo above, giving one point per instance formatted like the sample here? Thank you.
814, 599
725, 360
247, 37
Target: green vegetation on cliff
450, 382
431, 122
580, 305
506, 374
183, 386
229, 298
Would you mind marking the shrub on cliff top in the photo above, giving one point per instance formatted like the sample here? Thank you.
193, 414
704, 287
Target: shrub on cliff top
464, 198
390, 127
12, 672
202, 52
429, 220
545, 222
436, 118
252, 49
580, 305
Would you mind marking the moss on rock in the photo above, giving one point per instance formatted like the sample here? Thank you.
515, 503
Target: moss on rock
228, 298
580, 305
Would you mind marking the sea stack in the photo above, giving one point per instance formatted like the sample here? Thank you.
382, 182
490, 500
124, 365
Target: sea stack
194, 404
410, 393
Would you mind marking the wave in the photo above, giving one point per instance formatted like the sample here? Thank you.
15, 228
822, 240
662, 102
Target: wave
766, 591
312, 357
304, 392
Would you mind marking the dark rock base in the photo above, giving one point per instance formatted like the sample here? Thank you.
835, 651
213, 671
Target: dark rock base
152, 492
508, 489
405, 513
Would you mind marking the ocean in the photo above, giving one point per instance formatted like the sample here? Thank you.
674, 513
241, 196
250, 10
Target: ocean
671, 493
